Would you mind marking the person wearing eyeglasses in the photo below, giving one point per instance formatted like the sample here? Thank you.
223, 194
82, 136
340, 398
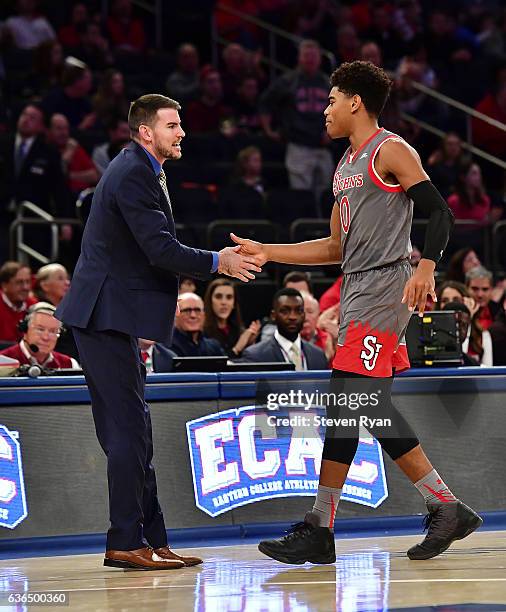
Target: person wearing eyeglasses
188, 339
41, 332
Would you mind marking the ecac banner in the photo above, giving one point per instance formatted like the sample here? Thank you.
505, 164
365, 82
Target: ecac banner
12, 488
237, 461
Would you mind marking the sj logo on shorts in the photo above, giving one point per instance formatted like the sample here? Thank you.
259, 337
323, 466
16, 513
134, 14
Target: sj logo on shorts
370, 353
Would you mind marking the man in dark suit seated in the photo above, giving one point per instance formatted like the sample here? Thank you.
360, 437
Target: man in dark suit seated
125, 287
30, 169
188, 339
156, 357
286, 344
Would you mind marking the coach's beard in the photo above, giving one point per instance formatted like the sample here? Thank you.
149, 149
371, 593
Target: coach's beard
171, 152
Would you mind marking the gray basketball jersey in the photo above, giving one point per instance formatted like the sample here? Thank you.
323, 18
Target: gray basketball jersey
375, 216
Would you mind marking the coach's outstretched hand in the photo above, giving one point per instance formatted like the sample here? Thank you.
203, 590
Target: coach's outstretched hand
238, 265
252, 249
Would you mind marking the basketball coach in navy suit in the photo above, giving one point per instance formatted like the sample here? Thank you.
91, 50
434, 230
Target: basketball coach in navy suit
125, 286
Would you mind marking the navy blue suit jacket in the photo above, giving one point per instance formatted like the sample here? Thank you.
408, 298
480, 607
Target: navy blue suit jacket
269, 350
162, 358
127, 273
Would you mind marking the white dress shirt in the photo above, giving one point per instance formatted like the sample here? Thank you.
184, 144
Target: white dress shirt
286, 345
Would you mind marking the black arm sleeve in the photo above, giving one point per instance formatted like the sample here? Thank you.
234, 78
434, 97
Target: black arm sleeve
430, 202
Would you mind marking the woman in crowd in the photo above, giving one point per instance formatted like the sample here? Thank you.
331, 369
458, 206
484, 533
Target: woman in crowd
223, 320
470, 200
461, 262
51, 283
110, 101
477, 343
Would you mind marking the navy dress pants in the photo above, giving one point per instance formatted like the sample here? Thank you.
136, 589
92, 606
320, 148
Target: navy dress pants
116, 378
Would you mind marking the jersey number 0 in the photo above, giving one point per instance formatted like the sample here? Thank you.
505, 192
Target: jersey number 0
344, 211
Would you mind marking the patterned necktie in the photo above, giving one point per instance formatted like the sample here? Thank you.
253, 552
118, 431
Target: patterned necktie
295, 357
163, 182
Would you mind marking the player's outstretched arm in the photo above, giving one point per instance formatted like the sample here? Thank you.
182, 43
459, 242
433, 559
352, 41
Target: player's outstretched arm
324, 251
399, 160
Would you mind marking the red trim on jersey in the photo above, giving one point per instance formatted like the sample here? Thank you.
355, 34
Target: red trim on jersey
366, 142
374, 178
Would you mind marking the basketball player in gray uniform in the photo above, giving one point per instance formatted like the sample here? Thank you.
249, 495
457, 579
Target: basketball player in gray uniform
376, 184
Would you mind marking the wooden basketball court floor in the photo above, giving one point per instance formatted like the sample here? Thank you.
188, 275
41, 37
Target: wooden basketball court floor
370, 574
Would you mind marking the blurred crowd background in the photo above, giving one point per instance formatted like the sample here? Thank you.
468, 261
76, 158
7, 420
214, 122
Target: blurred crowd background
252, 79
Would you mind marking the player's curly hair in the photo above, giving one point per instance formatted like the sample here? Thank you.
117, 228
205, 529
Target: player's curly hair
365, 79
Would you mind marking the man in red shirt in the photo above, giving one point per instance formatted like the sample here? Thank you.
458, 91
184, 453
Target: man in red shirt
15, 285
479, 283
41, 332
310, 330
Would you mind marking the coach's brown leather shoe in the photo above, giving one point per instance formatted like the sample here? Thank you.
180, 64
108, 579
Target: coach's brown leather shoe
141, 559
166, 553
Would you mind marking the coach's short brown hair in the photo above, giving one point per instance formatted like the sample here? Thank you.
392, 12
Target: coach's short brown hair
143, 110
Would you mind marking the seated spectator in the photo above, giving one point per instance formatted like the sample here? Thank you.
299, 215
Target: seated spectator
476, 343
156, 357
78, 167
486, 136
479, 283
15, 299
125, 31
498, 334
70, 34
72, 97
249, 169
383, 32
110, 101
119, 137
332, 296
244, 197
446, 163
51, 283
41, 331
235, 69
245, 106
299, 280
30, 168
29, 28
470, 200
183, 83
188, 339
310, 330
347, 43
461, 262
49, 62
286, 344
223, 320
206, 114
93, 49
187, 285
453, 291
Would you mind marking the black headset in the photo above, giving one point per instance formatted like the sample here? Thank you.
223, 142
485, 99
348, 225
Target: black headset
45, 307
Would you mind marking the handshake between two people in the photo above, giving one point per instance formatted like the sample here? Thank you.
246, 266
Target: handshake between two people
242, 260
